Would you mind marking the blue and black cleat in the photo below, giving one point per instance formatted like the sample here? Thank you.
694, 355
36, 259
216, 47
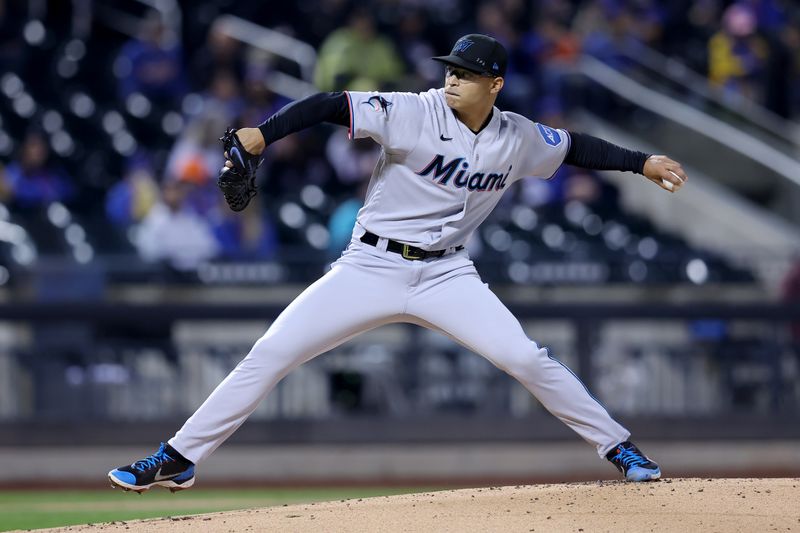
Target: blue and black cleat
633, 463
165, 468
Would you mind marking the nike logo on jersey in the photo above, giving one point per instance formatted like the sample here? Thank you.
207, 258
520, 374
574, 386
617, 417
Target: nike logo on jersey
159, 477
442, 137
457, 170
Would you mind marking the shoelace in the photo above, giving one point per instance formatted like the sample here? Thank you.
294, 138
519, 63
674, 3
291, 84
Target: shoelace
630, 457
154, 460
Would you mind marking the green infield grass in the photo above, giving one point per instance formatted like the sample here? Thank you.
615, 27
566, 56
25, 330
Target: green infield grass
32, 509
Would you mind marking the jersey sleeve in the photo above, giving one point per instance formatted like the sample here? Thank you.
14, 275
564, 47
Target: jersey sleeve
393, 120
543, 149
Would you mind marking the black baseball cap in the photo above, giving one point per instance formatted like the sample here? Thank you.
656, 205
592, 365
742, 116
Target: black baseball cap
478, 53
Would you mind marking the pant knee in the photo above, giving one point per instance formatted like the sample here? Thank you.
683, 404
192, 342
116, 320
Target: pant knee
522, 358
275, 356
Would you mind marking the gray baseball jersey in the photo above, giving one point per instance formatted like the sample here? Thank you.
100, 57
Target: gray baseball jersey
436, 180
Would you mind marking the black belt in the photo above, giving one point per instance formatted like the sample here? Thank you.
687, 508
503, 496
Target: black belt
412, 253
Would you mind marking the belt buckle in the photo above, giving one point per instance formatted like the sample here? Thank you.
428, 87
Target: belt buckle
408, 254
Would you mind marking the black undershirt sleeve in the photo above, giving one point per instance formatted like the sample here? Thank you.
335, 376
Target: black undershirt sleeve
314, 109
590, 152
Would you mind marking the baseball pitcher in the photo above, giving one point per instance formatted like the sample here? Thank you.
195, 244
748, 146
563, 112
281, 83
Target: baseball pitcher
448, 155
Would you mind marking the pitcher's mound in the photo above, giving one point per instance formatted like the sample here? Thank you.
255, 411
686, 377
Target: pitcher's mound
672, 505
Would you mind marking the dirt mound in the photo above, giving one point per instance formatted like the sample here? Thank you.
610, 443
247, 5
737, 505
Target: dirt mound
679, 505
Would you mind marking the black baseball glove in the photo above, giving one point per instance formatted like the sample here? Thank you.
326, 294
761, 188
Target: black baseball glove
238, 183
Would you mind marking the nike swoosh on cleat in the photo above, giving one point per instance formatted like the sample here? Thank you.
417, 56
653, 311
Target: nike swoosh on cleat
159, 477
442, 137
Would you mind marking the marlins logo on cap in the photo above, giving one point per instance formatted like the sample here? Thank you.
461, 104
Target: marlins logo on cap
462, 45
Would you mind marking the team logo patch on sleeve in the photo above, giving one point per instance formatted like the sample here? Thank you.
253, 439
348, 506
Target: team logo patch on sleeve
378, 104
550, 136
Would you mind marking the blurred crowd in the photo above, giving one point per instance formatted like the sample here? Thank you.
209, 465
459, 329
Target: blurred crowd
159, 188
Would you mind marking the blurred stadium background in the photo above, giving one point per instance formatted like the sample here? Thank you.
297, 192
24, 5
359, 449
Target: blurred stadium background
128, 290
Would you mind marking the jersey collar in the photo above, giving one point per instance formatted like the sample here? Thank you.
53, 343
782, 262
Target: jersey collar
488, 126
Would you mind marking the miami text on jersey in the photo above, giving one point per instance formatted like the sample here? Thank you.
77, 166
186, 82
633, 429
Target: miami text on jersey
477, 181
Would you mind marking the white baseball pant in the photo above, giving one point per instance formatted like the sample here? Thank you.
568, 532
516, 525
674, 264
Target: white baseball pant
368, 287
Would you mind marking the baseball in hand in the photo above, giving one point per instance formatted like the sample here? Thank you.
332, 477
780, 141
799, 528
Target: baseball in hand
668, 184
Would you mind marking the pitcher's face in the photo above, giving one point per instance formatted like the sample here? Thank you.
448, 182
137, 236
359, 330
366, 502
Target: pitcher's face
464, 89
